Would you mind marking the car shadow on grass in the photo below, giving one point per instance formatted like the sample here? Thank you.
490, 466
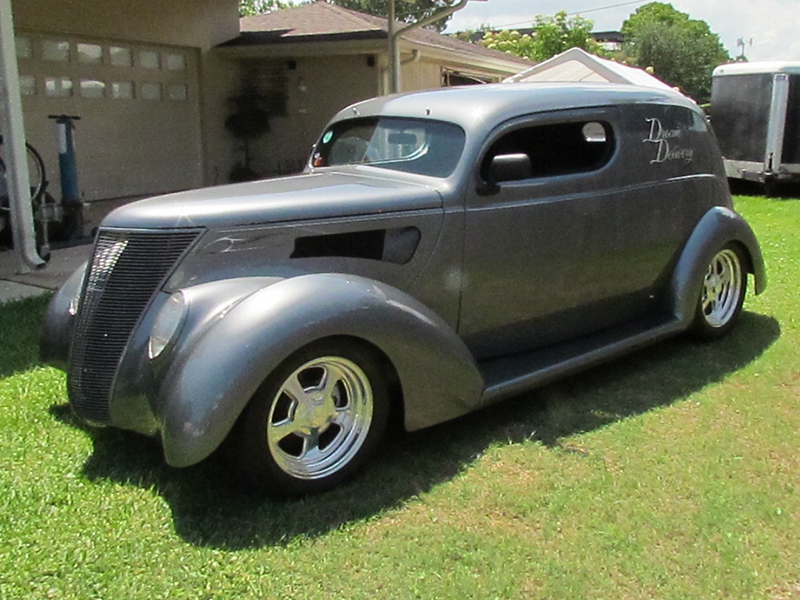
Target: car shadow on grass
209, 509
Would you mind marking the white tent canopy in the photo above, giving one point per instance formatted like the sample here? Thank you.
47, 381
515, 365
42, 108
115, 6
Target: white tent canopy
578, 65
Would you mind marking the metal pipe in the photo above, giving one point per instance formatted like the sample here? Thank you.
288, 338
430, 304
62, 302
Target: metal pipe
394, 52
415, 56
394, 36
17, 175
445, 12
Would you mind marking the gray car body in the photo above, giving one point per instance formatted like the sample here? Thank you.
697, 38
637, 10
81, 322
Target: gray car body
473, 295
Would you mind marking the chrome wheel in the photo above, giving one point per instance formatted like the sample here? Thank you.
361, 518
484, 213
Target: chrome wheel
722, 289
320, 417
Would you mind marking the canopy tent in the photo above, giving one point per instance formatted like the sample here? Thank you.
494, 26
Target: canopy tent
578, 65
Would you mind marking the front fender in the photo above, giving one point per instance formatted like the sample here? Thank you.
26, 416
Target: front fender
211, 379
718, 227
59, 319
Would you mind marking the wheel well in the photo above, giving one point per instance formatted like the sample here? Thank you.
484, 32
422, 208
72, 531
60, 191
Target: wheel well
396, 423
745, 252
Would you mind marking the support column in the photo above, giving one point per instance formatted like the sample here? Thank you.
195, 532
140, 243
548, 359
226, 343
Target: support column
18, 178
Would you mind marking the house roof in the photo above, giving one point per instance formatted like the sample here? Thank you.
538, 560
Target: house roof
578, 65
323, 22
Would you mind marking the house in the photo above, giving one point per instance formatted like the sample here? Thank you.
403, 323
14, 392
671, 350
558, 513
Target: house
145, 81
318, 58
152, 83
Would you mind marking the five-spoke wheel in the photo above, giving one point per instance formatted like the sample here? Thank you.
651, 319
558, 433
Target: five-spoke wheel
314, 421
722, 294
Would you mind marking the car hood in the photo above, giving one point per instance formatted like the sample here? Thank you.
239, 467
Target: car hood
299, 197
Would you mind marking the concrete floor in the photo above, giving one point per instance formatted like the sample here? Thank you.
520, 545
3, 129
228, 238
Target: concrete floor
16, 286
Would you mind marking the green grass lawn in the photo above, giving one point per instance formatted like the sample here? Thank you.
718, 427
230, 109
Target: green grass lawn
673, 473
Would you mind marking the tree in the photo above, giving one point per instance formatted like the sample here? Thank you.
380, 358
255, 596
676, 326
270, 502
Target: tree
550, 36
681, 51
512, 42
249, 8
407, 12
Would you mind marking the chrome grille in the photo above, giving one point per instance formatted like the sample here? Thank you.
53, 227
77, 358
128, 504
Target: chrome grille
127, 269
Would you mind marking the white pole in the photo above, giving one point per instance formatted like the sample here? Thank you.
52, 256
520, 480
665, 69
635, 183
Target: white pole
394, 36
18, 178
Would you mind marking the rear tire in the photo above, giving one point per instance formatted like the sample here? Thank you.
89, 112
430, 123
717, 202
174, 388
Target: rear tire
314, 422
722, 294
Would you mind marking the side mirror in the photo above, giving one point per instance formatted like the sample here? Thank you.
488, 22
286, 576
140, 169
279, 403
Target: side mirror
506, 167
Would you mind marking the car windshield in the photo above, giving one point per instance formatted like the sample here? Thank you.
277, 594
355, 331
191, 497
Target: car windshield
412, 145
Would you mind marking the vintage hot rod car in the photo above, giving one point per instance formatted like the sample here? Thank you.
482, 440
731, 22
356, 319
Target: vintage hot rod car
442, 250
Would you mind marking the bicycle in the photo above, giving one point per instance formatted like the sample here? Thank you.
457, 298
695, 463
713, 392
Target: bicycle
45, 208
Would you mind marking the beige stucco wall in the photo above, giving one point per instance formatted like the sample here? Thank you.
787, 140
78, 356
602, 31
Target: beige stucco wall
317, 89
219, 80
198, 23
421, 75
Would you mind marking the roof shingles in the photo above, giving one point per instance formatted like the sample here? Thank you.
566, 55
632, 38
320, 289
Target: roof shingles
320, 21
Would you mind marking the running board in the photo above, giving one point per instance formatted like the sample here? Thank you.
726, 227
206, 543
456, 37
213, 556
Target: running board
518, 373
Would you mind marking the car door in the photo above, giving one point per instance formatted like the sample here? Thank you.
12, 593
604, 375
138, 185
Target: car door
565, 249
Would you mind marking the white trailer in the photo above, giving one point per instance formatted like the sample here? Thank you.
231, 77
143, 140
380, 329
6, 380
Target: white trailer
755, 112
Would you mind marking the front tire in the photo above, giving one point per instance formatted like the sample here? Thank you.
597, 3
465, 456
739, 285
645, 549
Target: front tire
722, 294
314, 421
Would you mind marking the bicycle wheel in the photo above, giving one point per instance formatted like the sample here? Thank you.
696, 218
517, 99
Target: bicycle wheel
36, 172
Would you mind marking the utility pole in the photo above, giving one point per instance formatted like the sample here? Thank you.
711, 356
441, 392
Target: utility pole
741, 43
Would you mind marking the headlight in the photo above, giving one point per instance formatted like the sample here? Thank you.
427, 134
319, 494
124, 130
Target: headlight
168, 323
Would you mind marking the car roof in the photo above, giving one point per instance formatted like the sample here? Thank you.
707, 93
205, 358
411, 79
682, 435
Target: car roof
480, 106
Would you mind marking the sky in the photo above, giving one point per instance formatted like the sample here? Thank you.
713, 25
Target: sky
772, 25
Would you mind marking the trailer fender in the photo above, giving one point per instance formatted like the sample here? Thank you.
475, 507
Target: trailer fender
213, 375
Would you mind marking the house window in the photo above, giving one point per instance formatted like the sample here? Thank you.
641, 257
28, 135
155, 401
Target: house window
58, 87
24, 47
92, 88
176, 62
557, 149
27, 85
91, 54
122, 90
55, 50
121, 56
177, 91
148, 59
151, 91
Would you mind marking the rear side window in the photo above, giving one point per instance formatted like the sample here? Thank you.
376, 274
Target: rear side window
557, 149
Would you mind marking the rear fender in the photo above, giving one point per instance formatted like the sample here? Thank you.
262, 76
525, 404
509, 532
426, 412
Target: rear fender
213, 375
718, 227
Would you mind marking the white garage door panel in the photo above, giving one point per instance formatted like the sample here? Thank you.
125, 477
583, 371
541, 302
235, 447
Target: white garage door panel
139, 131
150, 150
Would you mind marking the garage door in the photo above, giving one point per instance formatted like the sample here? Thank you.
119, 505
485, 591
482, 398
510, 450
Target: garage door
139, 128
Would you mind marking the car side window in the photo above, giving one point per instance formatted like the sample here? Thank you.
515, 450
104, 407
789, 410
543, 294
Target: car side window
552, 149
